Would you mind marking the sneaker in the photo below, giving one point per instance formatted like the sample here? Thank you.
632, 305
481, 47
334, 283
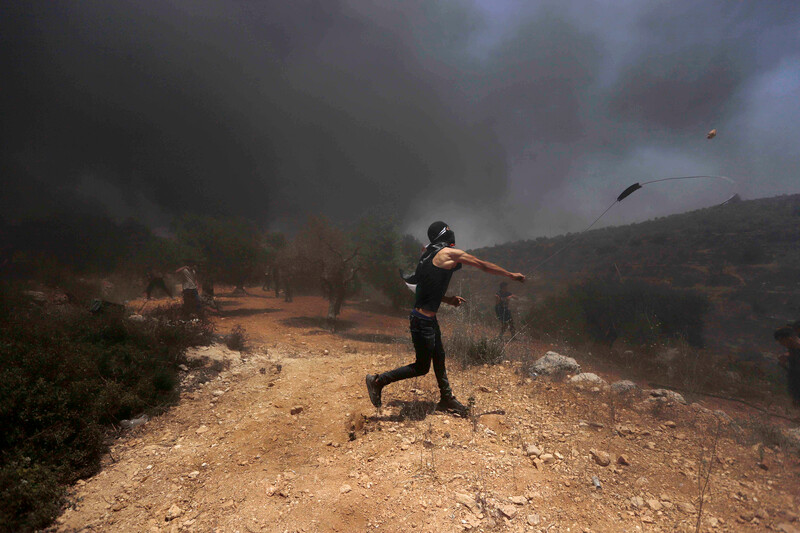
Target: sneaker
453, 406
374, 389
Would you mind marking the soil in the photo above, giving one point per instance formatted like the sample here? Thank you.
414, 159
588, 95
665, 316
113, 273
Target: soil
285, 439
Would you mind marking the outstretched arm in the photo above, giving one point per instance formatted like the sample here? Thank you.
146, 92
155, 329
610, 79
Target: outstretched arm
464, 258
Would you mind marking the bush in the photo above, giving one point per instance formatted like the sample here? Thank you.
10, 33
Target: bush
236, 339
64, 377
636, 312
472, 349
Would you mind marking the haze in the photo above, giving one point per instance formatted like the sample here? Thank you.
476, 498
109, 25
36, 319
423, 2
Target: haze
508, 119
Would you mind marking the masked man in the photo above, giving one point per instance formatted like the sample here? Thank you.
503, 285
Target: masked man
439, 261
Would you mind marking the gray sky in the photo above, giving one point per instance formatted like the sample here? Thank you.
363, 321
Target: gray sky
508, 119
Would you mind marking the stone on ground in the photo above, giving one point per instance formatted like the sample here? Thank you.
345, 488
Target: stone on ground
553, 363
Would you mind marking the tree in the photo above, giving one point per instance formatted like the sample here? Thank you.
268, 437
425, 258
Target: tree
231, 250
327, 252
384, 250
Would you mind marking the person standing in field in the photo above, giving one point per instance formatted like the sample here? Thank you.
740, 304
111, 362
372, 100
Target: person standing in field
155, 280
502, 310
788, 338
191, 296
440, 259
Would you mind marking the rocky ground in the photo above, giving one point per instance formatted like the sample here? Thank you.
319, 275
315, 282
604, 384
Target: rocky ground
285, 440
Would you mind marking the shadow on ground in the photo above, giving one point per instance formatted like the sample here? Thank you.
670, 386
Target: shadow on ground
249, 293
247, 312
409, 410
378, 308
316, 322
378, 338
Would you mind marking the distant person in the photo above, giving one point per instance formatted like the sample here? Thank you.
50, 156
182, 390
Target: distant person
276, 279
287, 286
788, 337
191, 297
267, 281
502, 310
155, 280
440, 259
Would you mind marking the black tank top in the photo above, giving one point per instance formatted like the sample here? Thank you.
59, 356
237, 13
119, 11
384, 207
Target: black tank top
432, 281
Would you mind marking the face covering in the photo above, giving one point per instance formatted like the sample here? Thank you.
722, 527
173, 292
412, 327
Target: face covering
440, 233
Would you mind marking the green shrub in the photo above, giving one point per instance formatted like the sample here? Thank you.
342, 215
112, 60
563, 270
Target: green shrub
64, 377
636, 312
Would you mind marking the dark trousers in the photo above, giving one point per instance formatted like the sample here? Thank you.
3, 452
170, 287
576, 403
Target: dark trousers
504, 316
427, 339
157, 283
191, 300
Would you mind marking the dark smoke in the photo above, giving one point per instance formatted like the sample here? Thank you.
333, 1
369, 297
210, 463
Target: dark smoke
507, 119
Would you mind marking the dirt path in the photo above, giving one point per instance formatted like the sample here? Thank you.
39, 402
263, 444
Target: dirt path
285, 440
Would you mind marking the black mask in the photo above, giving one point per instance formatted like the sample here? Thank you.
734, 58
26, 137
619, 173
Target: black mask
440, 233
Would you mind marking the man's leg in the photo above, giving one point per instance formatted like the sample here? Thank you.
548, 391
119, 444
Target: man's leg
423, 335
159, 283
448, 402
439, 367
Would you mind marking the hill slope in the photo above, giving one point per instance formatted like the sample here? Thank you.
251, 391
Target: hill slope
744, 255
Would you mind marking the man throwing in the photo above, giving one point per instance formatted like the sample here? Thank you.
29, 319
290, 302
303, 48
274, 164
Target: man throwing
439, 261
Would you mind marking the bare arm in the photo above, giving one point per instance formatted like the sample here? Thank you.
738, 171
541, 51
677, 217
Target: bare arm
455, 301
462, 257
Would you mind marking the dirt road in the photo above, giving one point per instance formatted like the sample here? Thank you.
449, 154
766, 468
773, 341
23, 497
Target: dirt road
286, 440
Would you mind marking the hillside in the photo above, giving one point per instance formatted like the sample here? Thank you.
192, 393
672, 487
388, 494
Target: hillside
285, 440
743, 255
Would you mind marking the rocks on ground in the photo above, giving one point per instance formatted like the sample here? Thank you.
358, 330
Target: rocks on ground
623, 386
555, 363
667, 395
587, 378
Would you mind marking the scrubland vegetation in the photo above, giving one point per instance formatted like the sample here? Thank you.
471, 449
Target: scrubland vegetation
66, 378
688, 301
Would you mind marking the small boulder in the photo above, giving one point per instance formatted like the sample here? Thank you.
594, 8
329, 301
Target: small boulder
554, 363
344, 489
669, 395
296, 410
687, 508
587, 378
173, 513
547, 458
533, 451
624, 386
468, 501
134, 422
509, 511
654, 504
600, 457
622, 460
